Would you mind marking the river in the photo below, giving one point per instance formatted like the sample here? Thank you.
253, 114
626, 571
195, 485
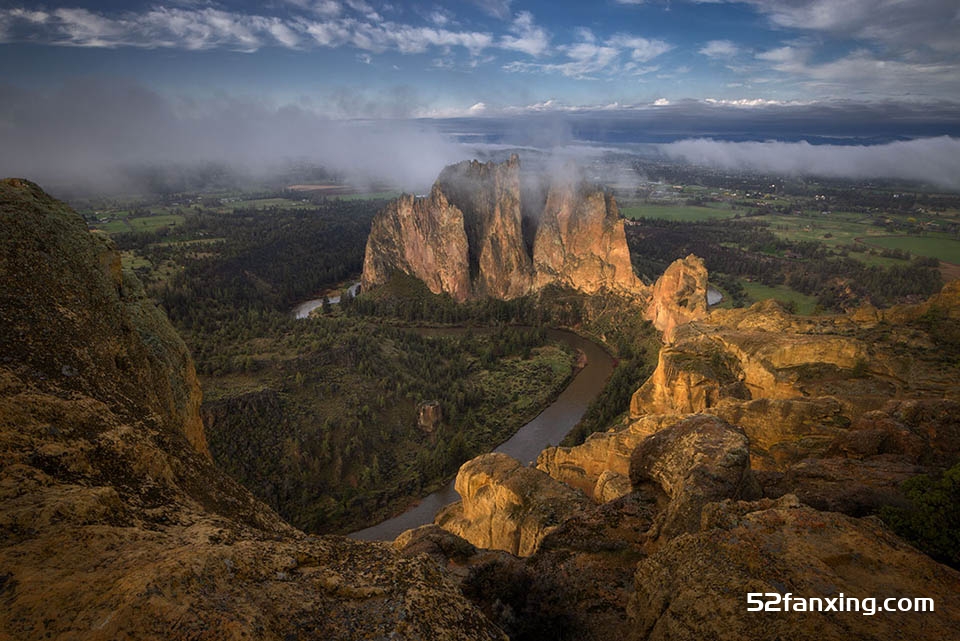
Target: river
303, 309
548, 428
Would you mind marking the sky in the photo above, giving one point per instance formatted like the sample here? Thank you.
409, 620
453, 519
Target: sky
202, 74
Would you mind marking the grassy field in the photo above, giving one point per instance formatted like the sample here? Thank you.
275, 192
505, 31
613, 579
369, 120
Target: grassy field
945, 249
757, 292
377, 195
152, 223
677, 212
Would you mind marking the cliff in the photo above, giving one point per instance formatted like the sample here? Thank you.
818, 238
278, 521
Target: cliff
470, 237
581, 243
113, 522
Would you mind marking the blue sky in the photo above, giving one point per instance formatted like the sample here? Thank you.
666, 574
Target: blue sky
369, 58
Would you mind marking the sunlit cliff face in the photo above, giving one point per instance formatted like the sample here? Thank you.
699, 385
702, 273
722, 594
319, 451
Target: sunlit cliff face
471, 237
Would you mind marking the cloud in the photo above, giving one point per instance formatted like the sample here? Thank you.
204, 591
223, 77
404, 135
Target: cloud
916, 24
496, 8
209, 28
861, 71
929, 160
90, 134
719, 49
589, 58
527, 37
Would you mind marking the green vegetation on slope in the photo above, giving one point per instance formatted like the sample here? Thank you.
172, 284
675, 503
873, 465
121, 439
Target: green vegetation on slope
319, 417
932, 521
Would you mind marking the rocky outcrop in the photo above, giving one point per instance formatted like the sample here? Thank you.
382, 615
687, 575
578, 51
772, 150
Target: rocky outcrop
425, 238
429, 416
765, 353
581, 242
506, 506
699, 460
582, 466
113, 522
468, 239
679, 296
695, 586
488, 194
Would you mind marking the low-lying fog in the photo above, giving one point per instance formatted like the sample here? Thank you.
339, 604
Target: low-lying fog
105, 137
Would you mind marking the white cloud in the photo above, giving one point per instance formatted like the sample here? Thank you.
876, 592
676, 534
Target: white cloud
528, 37
496, 8
914, 24
589, 58
326, 8
861, 71
641, 49
440, 17
932, 160
719, 49
208, 28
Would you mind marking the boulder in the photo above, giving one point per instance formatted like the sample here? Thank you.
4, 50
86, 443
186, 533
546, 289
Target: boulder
698, 460
507, 506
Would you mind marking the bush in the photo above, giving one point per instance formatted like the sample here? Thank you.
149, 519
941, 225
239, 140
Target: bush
932, 522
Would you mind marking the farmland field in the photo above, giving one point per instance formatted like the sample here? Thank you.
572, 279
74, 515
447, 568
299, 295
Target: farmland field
757, 292
685, 213
945, 249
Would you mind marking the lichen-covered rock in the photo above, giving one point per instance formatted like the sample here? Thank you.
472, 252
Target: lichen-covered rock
785, 430
764, 353
506, 506
611, 486
695, 586
698, 460
113, 521
852, 486
71, 319
679, 296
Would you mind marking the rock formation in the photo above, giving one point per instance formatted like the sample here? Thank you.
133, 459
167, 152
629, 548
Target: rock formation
113, 522
697, 461
679, 296
583, 465
467, 238
489, 197
824, 417
506, 506
422, 237
581, 242
695, 586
